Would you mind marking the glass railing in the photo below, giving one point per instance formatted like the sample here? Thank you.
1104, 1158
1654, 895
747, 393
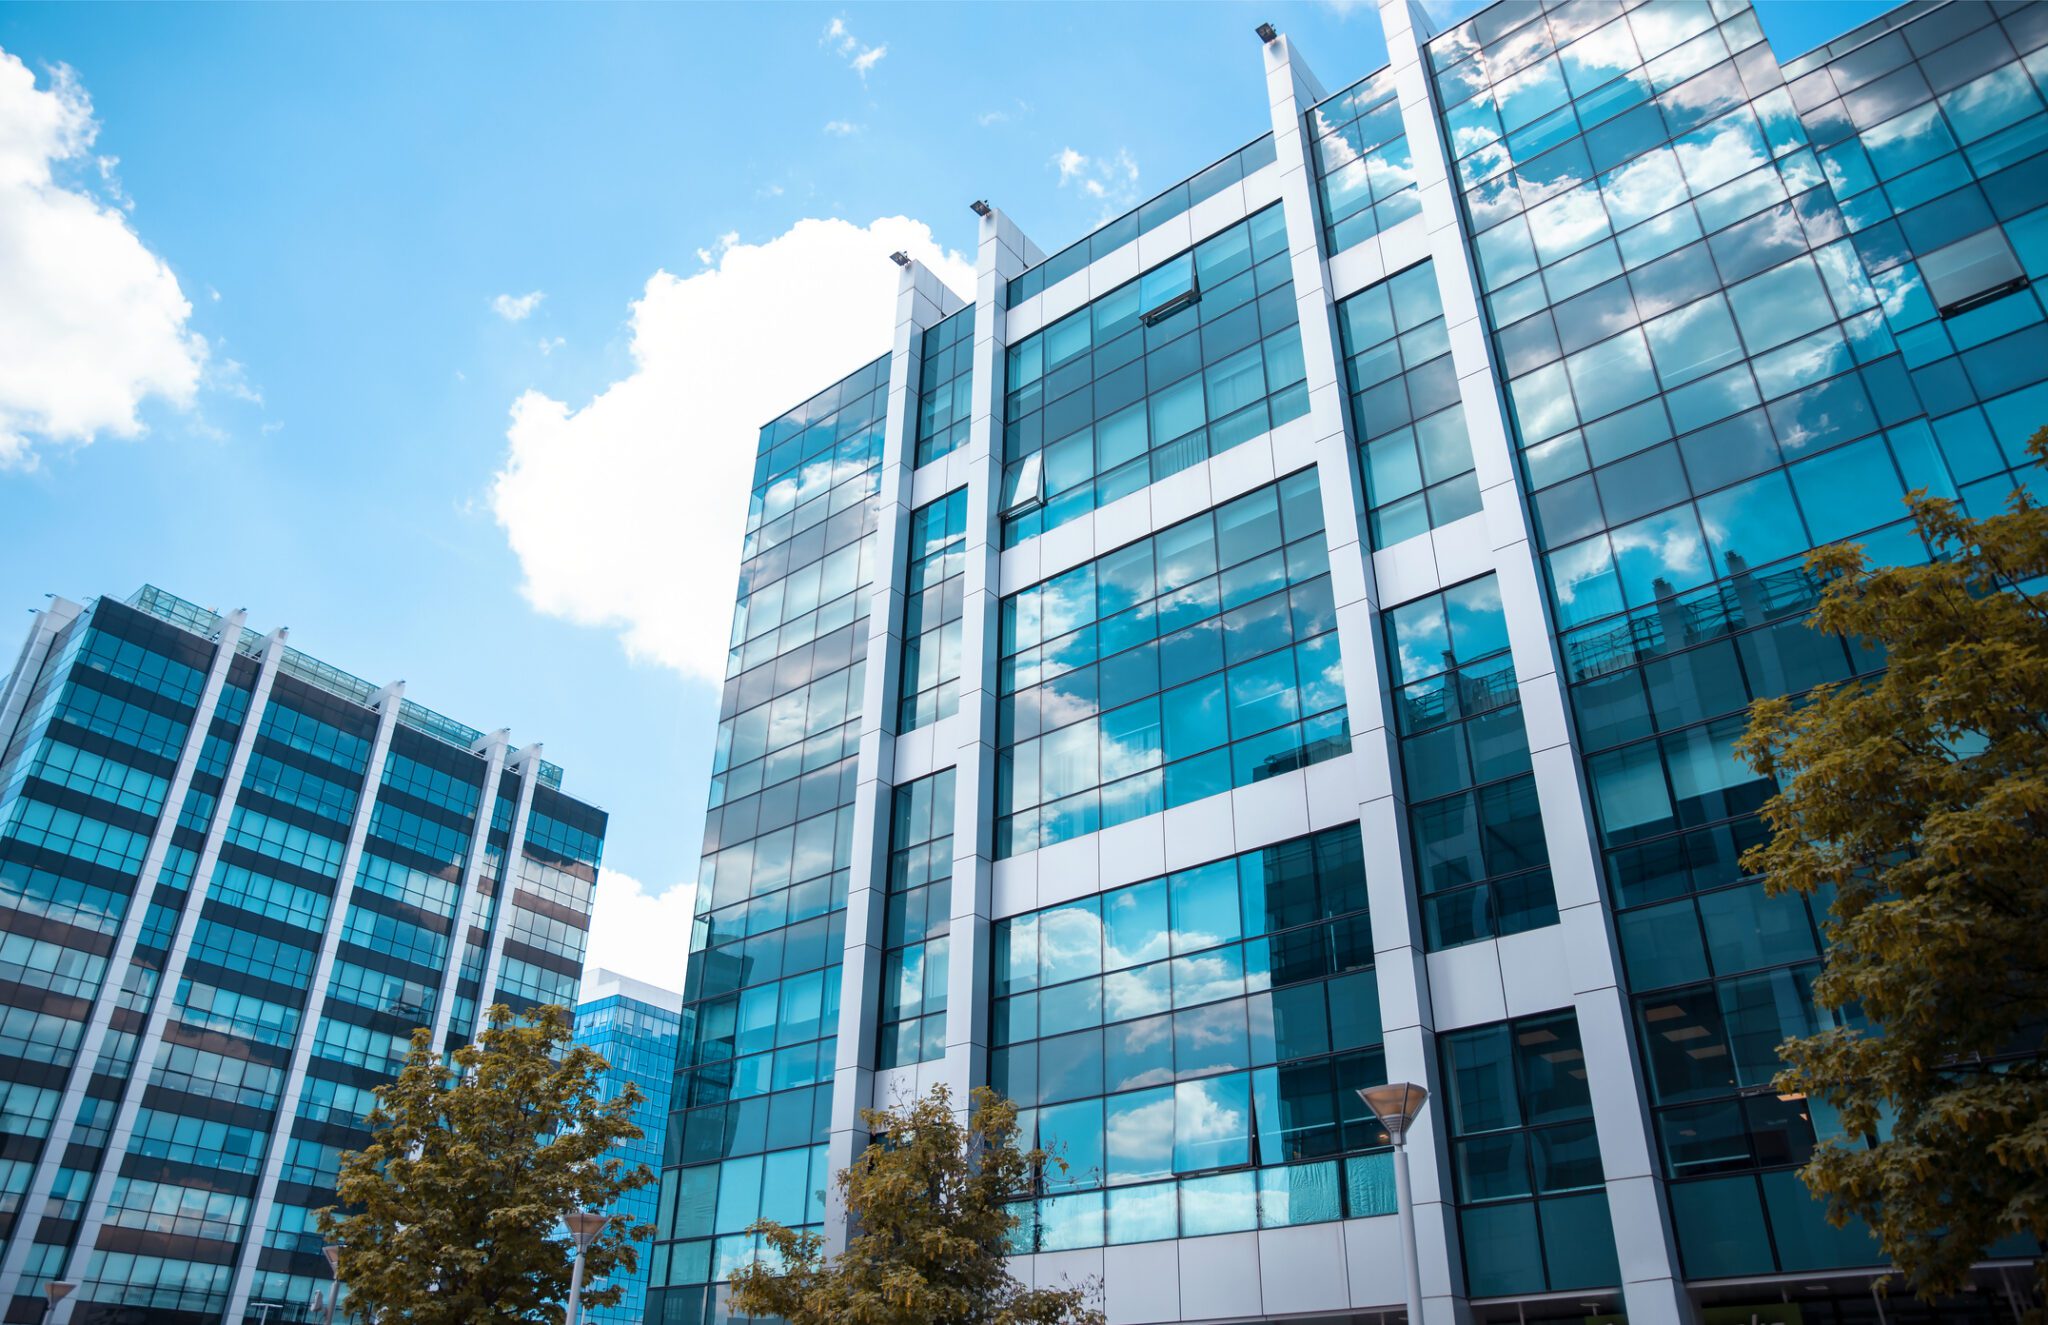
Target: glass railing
1115, 234
423, 719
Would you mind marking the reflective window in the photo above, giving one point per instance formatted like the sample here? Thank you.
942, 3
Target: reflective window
1365, 177
1197, 660
931, 612
1477, 833
752, 1094
1196, 355
1525, 1160
1404, 407
1192, 1046
945, 391
917, 922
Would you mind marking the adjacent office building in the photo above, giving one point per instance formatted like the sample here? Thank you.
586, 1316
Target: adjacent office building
233, 880
636, 1026
1292, 639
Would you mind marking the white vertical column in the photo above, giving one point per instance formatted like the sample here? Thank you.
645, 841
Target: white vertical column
174, 964
1652, 1283
1003, 253
494, 747
316, 995
919, 302
1403, 976
35, 1201
526, 763
28, 666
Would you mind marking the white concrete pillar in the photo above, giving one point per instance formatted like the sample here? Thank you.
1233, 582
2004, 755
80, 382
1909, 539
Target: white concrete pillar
1652, 1282
1407, 1017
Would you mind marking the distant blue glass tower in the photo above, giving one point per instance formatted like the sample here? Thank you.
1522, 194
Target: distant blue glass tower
637, 1027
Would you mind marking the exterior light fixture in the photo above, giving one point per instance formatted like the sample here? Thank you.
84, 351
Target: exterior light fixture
584, 1226
981, 207
900, 258
1267, 34
1395, 1105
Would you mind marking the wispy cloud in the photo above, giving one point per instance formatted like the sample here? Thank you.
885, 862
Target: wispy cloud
990, 118
841, 128
517, 307
1112, 179
549, 344
860, 56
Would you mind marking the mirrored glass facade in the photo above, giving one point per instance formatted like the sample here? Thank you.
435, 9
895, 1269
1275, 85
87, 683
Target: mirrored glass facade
1474, 823
917, 923
1199, 354
232, 881
636, 1027
931, 612
1626, 316
1197, 660
1365, 176
1194, 1046
945, 391
753, 1089
1405, 409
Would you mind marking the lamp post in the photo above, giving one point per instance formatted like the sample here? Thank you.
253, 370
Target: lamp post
584, 1226
1395, 1105
54, 1292
332, 1251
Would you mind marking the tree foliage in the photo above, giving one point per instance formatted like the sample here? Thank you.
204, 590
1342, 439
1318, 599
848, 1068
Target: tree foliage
929, 1228
452, 1214
1918, 801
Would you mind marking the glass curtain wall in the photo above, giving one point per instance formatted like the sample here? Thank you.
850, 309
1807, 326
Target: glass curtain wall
1404, 406
1197, 660
932, 590
917, 922
945, 386
1198, 354
1532, 1206
1481, 866
1738, 320
753, 1091
1192, 1047
1365, 178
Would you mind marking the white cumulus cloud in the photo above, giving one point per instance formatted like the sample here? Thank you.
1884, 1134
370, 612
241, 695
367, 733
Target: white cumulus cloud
517, 307
639, 932
92, 323
627, 512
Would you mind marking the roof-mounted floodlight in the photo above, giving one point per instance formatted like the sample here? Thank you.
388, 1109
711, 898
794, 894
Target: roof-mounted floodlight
900, 258
1267, 33
981, 207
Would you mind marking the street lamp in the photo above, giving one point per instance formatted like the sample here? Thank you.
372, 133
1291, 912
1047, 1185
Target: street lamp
54, 1292
332, 1251
584, 1226
1395, 1105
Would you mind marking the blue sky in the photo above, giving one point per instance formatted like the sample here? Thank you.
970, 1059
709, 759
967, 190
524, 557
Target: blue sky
340, 194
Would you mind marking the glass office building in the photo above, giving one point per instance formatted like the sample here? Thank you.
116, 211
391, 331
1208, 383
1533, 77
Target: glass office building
1313, 654
636, 1026
233, 880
